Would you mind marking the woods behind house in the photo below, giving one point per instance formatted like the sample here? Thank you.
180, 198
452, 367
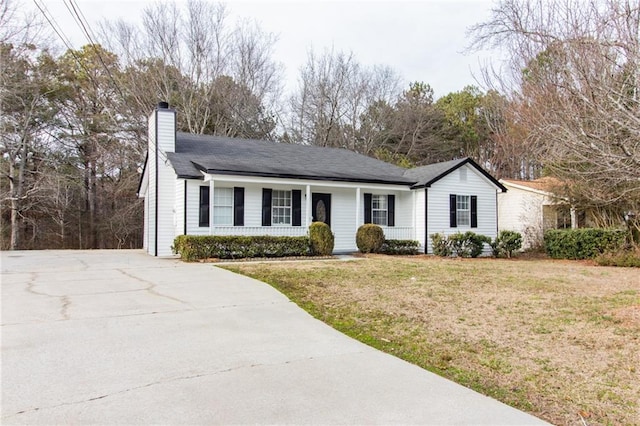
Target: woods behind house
73, 120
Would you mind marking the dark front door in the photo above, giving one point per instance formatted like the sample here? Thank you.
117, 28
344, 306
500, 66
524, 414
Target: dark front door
321, 208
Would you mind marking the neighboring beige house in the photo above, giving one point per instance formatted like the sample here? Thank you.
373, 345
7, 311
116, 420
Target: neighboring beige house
530, 208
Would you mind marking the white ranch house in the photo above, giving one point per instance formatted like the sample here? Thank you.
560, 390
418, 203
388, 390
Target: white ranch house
210, 185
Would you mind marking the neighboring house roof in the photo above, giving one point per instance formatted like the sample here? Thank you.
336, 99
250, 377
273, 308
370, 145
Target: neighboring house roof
222, 155
543, 186
425, 176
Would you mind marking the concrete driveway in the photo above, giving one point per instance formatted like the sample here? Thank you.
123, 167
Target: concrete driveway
119, 337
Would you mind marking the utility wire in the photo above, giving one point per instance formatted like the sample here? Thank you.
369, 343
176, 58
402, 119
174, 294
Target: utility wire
65, 40
78, 16
56, 28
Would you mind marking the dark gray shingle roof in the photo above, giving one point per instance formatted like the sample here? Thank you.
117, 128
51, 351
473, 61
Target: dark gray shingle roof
426, 175
223, 155
216, 154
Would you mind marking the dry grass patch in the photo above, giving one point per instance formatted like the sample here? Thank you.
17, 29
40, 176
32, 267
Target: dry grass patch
558, 339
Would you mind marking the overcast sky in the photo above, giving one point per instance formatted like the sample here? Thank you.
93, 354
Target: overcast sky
422, 40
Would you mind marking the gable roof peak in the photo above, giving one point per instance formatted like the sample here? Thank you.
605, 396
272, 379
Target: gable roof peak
427, 175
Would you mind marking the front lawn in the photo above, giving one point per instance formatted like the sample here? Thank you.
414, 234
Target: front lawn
558, 339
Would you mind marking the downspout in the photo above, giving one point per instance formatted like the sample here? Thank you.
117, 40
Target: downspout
307, 206
358, 207
184, 231
497, 213
157, 174
426, 220
413, 214
211, 205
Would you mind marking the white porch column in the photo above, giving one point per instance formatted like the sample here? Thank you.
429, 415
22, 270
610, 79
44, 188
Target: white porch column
211, 188
357, 208
574, 218
414, 214
308, 217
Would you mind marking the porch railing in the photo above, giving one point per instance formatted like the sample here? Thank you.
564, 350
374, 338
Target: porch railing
398, 232
390, 232
275, 231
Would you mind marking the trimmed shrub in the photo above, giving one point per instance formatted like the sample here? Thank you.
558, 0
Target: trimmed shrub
507, 243
440, 245
629, 258
321, 239
400, 247
369, 238
194, 247
583, 243
468, 244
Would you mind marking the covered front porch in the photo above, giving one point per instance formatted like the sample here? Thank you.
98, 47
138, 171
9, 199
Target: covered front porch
287, 207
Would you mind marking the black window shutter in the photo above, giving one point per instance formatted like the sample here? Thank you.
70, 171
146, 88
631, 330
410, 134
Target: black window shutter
391, 210
453, 219
266, 207
238, 206
474, 211
203, 217
296, 203
367, 208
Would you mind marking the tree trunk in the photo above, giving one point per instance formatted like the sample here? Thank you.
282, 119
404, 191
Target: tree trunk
16, 185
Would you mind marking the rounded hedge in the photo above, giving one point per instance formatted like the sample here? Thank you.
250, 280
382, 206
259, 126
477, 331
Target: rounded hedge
369, 238
321, 239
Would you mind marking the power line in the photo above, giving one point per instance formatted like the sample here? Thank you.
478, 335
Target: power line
79, 17
56, 28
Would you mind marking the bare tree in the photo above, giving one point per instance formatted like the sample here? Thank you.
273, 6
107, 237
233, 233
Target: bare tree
334, 93
24, 121
222, 77
574, 78
21, 26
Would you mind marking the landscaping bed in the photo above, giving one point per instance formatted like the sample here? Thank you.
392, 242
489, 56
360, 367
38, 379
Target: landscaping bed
558, 339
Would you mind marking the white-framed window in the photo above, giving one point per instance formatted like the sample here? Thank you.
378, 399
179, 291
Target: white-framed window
463, 210
379, 212
223, 206
281, 207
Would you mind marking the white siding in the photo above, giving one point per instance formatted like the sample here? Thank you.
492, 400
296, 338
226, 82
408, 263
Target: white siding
179, 207
166, 209
150, 199
343, 217
166, 129
404, 209
193, 200
455, 183
145, 226
521, 211
420, 216
166, 183
161, 194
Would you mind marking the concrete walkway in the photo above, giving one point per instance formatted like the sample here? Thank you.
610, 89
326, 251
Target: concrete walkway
119, 337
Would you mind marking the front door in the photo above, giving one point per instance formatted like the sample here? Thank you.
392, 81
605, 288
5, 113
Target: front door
321, 208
